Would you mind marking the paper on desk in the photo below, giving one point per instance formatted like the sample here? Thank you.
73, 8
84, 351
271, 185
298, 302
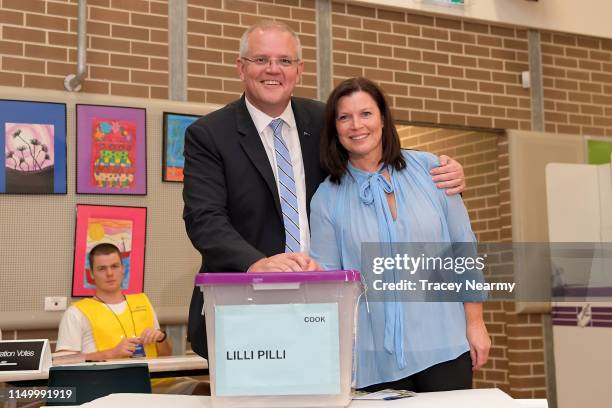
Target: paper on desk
387, 394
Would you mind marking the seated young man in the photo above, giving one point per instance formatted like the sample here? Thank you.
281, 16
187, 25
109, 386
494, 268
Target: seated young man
111, 325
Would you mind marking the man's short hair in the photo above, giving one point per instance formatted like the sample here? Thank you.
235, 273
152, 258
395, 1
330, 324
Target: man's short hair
265, 25
102, 249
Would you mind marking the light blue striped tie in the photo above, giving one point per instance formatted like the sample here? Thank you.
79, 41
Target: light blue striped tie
286, 184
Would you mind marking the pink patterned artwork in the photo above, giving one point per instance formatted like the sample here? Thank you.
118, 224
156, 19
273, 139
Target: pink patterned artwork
29, 157
113, 152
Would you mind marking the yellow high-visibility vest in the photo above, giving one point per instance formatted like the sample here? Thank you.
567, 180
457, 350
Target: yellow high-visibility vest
106, 329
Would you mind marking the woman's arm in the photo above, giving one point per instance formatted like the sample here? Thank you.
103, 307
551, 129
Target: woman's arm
460, 231
477, 334
324, 246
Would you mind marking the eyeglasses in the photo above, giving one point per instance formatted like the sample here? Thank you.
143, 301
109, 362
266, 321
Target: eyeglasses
284, 62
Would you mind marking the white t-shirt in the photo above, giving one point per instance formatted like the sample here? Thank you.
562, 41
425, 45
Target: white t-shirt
75, 332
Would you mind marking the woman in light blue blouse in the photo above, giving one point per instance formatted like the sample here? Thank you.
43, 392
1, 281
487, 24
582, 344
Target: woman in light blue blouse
377, 192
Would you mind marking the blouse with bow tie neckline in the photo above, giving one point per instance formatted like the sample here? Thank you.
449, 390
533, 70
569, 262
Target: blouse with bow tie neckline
394, 339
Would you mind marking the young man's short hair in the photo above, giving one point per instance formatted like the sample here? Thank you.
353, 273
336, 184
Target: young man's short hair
102, 249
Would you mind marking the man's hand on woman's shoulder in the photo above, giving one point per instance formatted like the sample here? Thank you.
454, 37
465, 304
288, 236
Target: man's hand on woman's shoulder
449, 175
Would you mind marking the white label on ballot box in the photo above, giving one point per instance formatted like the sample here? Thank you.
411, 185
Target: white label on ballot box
277, 349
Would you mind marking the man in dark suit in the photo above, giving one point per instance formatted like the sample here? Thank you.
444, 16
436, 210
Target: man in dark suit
252, 167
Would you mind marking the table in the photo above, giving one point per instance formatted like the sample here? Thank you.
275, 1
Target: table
169, 366
479, 398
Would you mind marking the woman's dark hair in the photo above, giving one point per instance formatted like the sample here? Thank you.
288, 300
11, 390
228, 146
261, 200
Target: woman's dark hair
334, 156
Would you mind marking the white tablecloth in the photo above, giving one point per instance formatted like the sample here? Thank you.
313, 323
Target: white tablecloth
480, 398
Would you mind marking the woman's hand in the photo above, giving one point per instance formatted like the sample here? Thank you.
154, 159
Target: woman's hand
480, 343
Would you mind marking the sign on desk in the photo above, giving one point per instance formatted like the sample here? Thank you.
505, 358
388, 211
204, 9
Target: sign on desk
24, 356
287, 349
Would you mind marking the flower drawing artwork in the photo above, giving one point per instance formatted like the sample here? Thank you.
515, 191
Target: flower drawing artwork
33, 135
29, 147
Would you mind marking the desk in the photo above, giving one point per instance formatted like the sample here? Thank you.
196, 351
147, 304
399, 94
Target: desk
170, 366
480, 398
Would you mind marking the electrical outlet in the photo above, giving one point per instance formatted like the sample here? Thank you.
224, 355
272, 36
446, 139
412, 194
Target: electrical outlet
53, 303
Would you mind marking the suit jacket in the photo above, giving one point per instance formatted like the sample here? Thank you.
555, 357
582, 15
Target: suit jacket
232, 209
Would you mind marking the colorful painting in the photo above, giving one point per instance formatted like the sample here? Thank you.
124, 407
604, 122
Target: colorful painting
111, 150
175, 125
124, 227
34, 160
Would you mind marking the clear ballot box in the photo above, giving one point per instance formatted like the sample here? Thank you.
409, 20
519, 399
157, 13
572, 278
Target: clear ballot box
280, 339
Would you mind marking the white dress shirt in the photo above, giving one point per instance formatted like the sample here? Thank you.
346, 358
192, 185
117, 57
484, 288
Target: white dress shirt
292, 140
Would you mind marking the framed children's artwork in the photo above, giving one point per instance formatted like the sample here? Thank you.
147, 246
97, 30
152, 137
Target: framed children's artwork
175, 125
124, 227
111, 156
33, 135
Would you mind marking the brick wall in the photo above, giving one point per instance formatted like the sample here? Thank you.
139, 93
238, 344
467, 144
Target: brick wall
214, 28
577, 75
522, 343
127, 45
436, 70
516, 363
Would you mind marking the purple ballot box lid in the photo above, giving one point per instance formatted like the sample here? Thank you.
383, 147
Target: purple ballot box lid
241, 278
